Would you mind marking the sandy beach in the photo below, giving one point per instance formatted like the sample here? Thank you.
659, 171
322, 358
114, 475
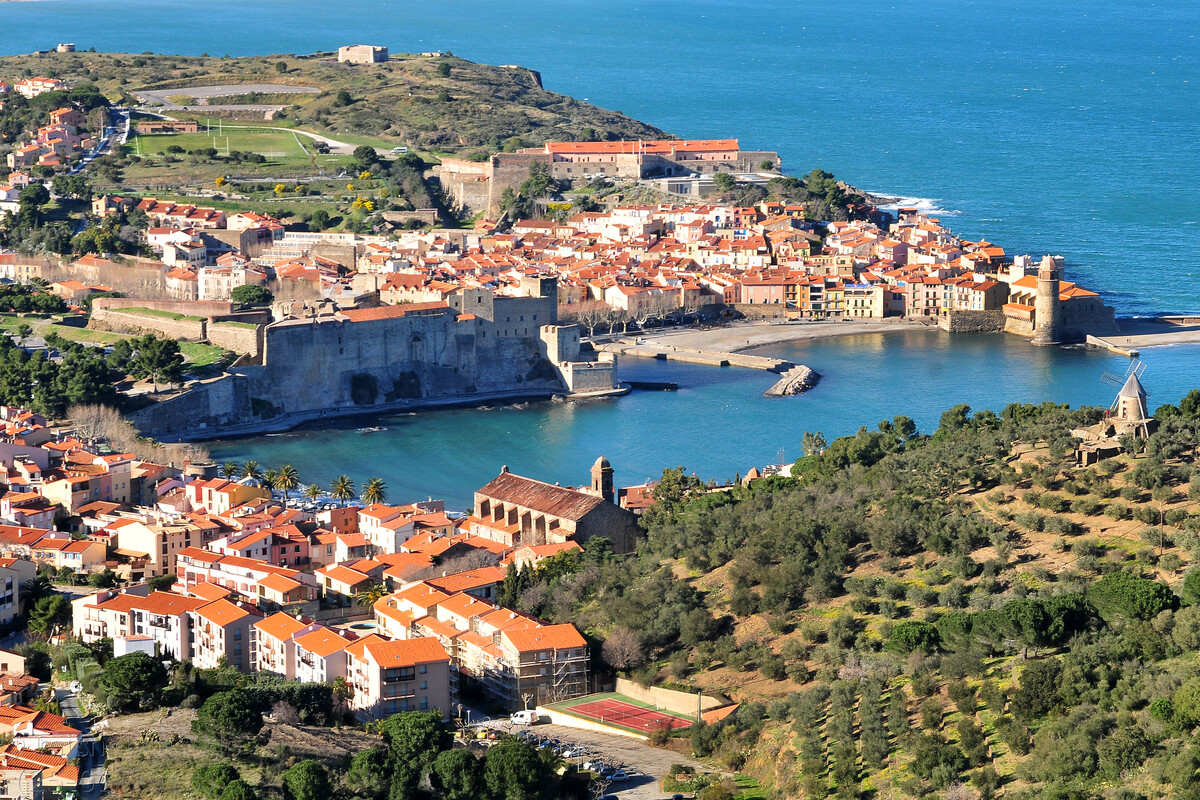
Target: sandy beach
740, 336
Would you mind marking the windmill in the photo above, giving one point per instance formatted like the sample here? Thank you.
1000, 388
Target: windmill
1130, 402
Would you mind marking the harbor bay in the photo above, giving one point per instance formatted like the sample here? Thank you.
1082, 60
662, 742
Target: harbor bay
718, 423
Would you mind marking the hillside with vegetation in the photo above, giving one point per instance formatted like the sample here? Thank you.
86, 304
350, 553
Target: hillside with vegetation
966, 614
436, 104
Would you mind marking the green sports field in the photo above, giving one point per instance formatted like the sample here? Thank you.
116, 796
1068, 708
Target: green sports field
274, 144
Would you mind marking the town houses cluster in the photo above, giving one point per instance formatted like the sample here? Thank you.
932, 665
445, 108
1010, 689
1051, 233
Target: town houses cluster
638, 263
60, 141
399, 601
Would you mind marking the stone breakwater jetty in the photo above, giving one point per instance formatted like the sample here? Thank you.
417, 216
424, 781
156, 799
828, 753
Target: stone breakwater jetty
668, 352
797, 380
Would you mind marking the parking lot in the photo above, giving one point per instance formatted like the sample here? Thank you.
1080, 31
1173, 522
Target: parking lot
645, 765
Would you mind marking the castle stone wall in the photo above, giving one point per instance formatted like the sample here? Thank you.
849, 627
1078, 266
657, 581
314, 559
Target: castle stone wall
141, 324
235, 337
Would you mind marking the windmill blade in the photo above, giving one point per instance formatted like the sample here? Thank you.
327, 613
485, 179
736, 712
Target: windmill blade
1112, 379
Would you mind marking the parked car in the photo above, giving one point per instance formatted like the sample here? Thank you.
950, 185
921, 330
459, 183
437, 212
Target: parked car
524, 718
618, 776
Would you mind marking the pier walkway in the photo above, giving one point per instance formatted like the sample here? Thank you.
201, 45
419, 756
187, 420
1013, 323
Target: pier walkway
656, 348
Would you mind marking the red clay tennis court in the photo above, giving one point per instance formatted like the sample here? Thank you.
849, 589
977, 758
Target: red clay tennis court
629, 716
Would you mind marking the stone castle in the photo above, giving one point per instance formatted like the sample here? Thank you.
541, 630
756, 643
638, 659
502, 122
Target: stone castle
479, 185
477, 347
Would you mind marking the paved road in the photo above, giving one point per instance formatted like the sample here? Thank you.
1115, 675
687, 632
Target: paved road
647, 765
91, 751
118, 129
162, 97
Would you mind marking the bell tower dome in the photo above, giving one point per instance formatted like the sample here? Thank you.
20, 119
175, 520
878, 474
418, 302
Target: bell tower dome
602, 479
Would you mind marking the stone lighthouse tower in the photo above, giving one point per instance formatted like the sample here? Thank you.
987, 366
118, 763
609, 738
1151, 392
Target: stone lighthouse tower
1047, 311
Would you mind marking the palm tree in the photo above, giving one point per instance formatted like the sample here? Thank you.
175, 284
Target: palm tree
36, 589
374, 491
342, 488
251, 470
312, 492
372, 593
229, 470
270, 479
287, 480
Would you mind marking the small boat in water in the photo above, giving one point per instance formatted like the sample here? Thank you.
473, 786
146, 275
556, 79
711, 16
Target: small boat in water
372, 429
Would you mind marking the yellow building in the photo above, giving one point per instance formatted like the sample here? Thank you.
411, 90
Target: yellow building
158, 543
861, 301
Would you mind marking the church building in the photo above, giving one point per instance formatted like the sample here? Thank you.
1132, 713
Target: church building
516, 510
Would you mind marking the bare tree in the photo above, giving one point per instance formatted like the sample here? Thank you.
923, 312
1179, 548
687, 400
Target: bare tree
623, 649
591, 314
100, 422
616, 316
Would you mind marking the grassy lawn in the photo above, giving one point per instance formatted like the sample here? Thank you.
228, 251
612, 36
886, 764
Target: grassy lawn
42, 327
154, 312
280, 145
203, 355
247, 325
197, 354
287, 155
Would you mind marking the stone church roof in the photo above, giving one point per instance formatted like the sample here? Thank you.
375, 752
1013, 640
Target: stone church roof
544, 497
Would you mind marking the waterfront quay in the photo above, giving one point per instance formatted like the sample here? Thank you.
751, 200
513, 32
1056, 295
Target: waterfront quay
670, 352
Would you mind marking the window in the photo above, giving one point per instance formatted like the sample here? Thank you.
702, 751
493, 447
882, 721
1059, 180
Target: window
424, 669
424, 685
424, 703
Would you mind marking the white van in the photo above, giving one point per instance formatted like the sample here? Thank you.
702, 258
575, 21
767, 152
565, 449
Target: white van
524, 718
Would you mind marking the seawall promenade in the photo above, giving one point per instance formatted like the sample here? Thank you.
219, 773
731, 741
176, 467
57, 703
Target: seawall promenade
732, 339
1157, 331
669, 351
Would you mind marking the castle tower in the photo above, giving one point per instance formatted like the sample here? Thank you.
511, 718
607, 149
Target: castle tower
1047, 310
602, 479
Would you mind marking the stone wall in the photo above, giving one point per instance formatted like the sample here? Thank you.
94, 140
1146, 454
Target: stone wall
1018, 327
142, 324
207, 407
589, 377
972, 321
763, 311
467, 183
338, 365
235, 337
509, 171
193, 308
1079, 319
669, 699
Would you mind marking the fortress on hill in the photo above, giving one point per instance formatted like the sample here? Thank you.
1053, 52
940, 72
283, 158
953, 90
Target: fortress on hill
479, 346
479, 185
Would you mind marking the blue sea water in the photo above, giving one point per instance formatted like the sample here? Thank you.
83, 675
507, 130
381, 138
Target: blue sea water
718, 423
1053, 126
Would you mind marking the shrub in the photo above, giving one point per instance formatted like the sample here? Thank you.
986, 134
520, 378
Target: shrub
912, 635
1122, 594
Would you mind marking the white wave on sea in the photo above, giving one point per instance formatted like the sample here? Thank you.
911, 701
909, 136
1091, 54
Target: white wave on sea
924, 205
